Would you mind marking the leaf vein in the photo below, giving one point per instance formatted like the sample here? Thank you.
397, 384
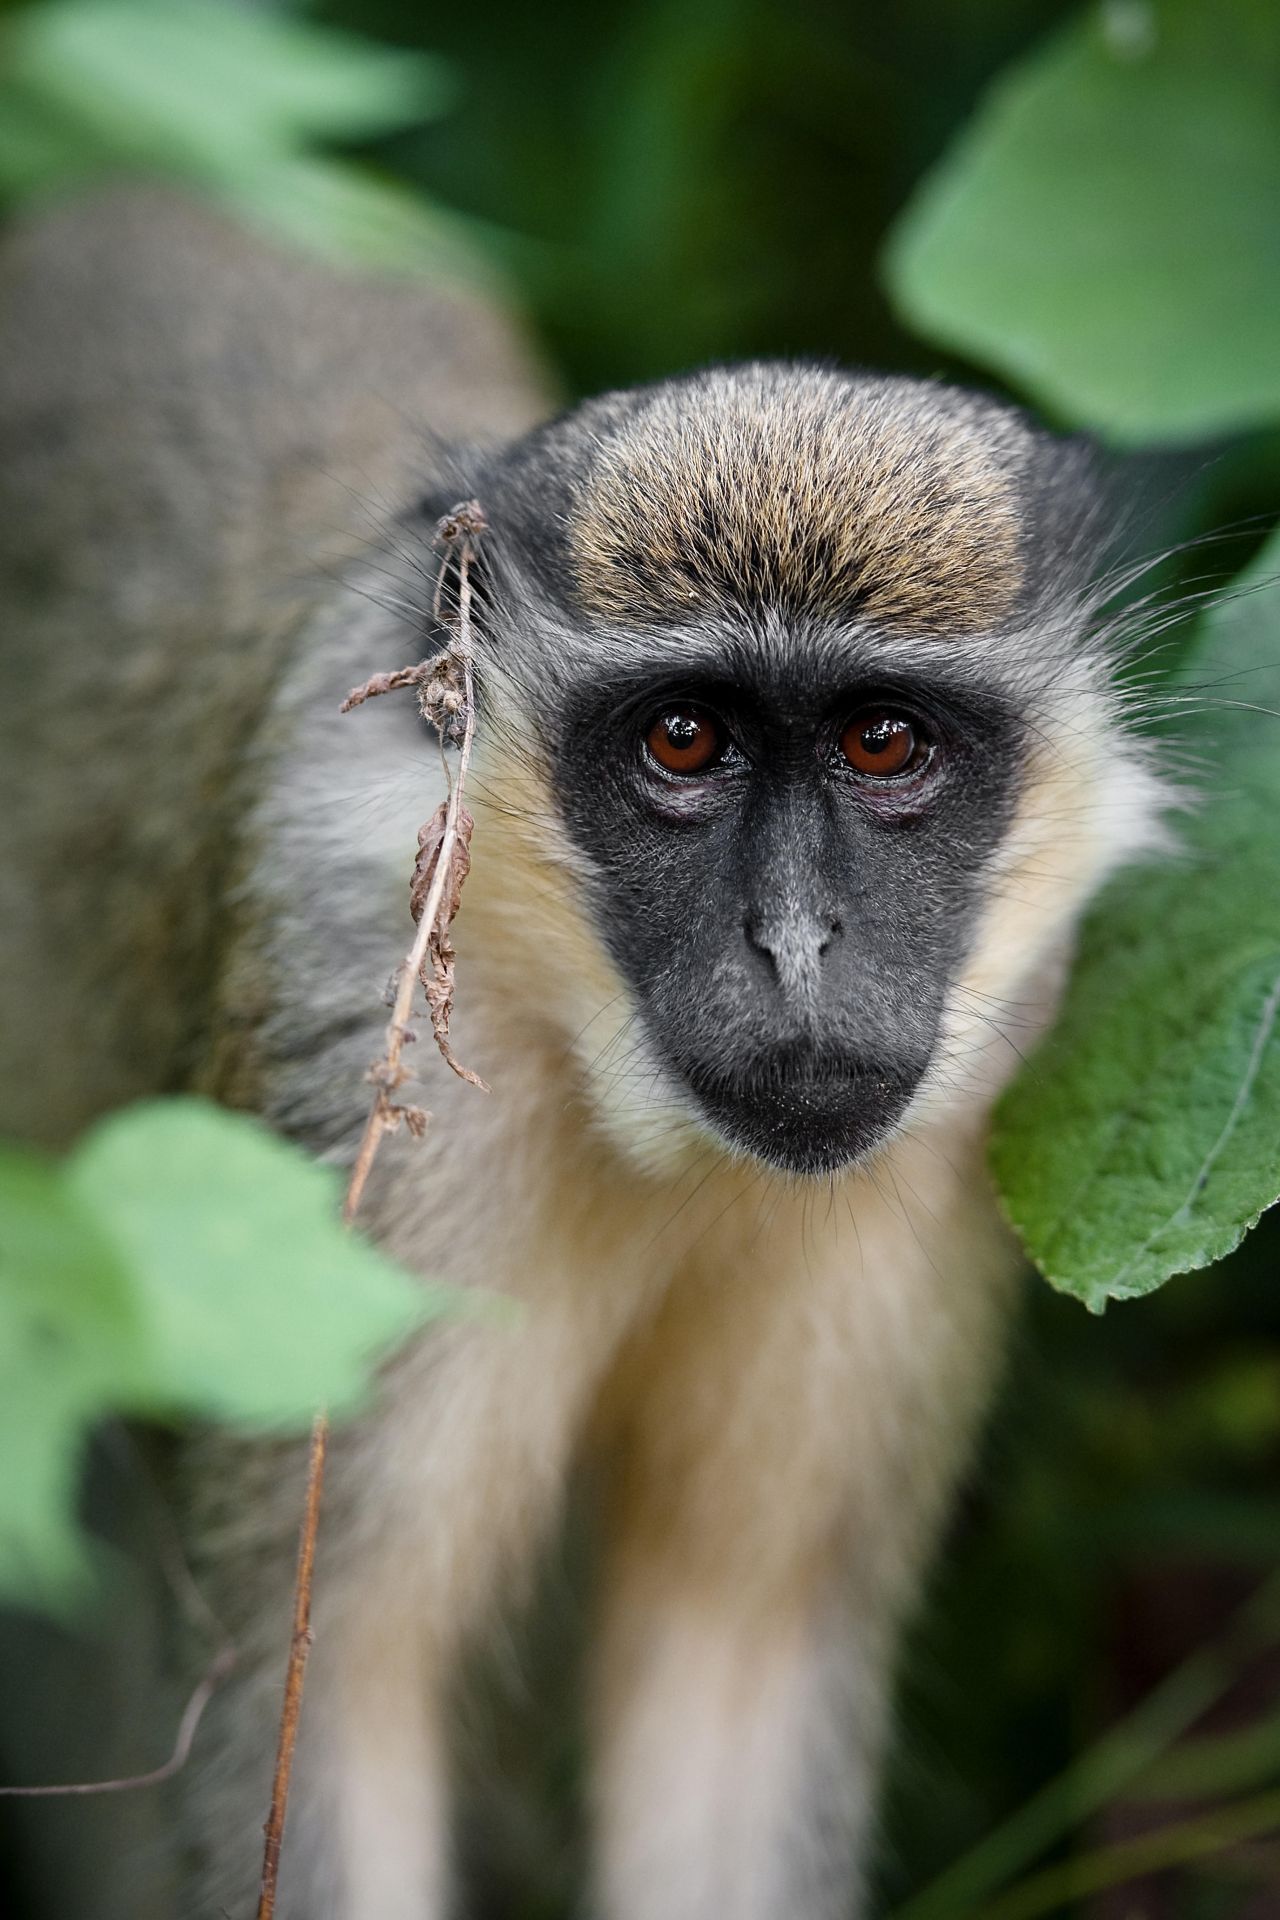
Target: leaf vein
1261, 1038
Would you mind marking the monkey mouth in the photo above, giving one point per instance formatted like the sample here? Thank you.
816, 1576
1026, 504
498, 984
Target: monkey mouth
802, 1110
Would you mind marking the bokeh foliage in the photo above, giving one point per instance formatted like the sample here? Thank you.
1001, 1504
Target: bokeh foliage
1144, 1138
182, 1262
1106, 231
1081, 203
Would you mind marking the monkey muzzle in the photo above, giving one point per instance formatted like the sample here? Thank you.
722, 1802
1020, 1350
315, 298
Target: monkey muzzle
802, 1108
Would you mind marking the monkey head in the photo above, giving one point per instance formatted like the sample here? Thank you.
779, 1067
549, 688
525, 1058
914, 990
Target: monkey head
806, 670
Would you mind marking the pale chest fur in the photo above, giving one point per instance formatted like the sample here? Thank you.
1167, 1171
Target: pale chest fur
807, 1361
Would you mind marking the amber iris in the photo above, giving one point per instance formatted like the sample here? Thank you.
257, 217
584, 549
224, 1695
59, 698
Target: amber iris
685, 740
880, 743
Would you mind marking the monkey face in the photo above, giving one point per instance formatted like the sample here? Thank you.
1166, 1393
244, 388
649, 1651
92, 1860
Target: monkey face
786, 847
806, 657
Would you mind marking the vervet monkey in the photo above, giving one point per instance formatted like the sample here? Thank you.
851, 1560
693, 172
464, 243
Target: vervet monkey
798, 756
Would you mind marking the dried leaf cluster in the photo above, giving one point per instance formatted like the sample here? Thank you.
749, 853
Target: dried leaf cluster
446, 698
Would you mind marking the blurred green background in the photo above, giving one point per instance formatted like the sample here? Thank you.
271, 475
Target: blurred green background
661, 184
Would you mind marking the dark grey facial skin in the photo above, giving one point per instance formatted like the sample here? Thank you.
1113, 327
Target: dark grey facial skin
789, 927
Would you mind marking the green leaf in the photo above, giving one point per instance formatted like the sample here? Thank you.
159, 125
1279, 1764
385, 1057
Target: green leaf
1106, 231
232, 99
350, 214
1143, 1139
71, 1343
208, 84
182, 1261
259, 1304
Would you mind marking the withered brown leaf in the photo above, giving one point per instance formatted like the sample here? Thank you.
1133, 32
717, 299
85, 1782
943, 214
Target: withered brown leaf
384, 683
437, 973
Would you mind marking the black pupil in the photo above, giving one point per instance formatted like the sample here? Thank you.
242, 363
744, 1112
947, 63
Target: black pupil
881, 736
684, 731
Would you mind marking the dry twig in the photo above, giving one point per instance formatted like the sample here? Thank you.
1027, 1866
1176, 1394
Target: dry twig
179, 1577
299, 1648
446, 695
192, 1714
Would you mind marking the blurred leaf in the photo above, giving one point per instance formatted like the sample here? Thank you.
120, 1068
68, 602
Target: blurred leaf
1106, 232
259, 1303
38, 148
1215, 1763
211, 82
1125, 1752
1235, 1407
71, 1341
351, 214
232, 99
1143, 1139
183, 1260
1239, 1530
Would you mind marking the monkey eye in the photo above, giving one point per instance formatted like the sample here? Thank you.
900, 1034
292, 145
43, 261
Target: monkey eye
883, 744
685, 740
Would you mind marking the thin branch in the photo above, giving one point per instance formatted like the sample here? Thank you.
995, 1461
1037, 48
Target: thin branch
446, 703
183, 1586
299, 1648
218, 1669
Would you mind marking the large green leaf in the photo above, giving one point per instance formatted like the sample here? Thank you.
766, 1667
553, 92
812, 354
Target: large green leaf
1107, 232
1143, 1139
182, 1261
230, 98
214, 86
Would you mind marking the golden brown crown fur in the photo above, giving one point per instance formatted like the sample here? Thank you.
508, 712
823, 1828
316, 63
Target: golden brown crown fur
799, 489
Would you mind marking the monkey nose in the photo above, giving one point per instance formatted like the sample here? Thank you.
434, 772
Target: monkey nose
792, 947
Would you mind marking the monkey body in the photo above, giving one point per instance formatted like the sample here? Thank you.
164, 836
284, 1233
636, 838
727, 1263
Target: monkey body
778, 1386
764, 1299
